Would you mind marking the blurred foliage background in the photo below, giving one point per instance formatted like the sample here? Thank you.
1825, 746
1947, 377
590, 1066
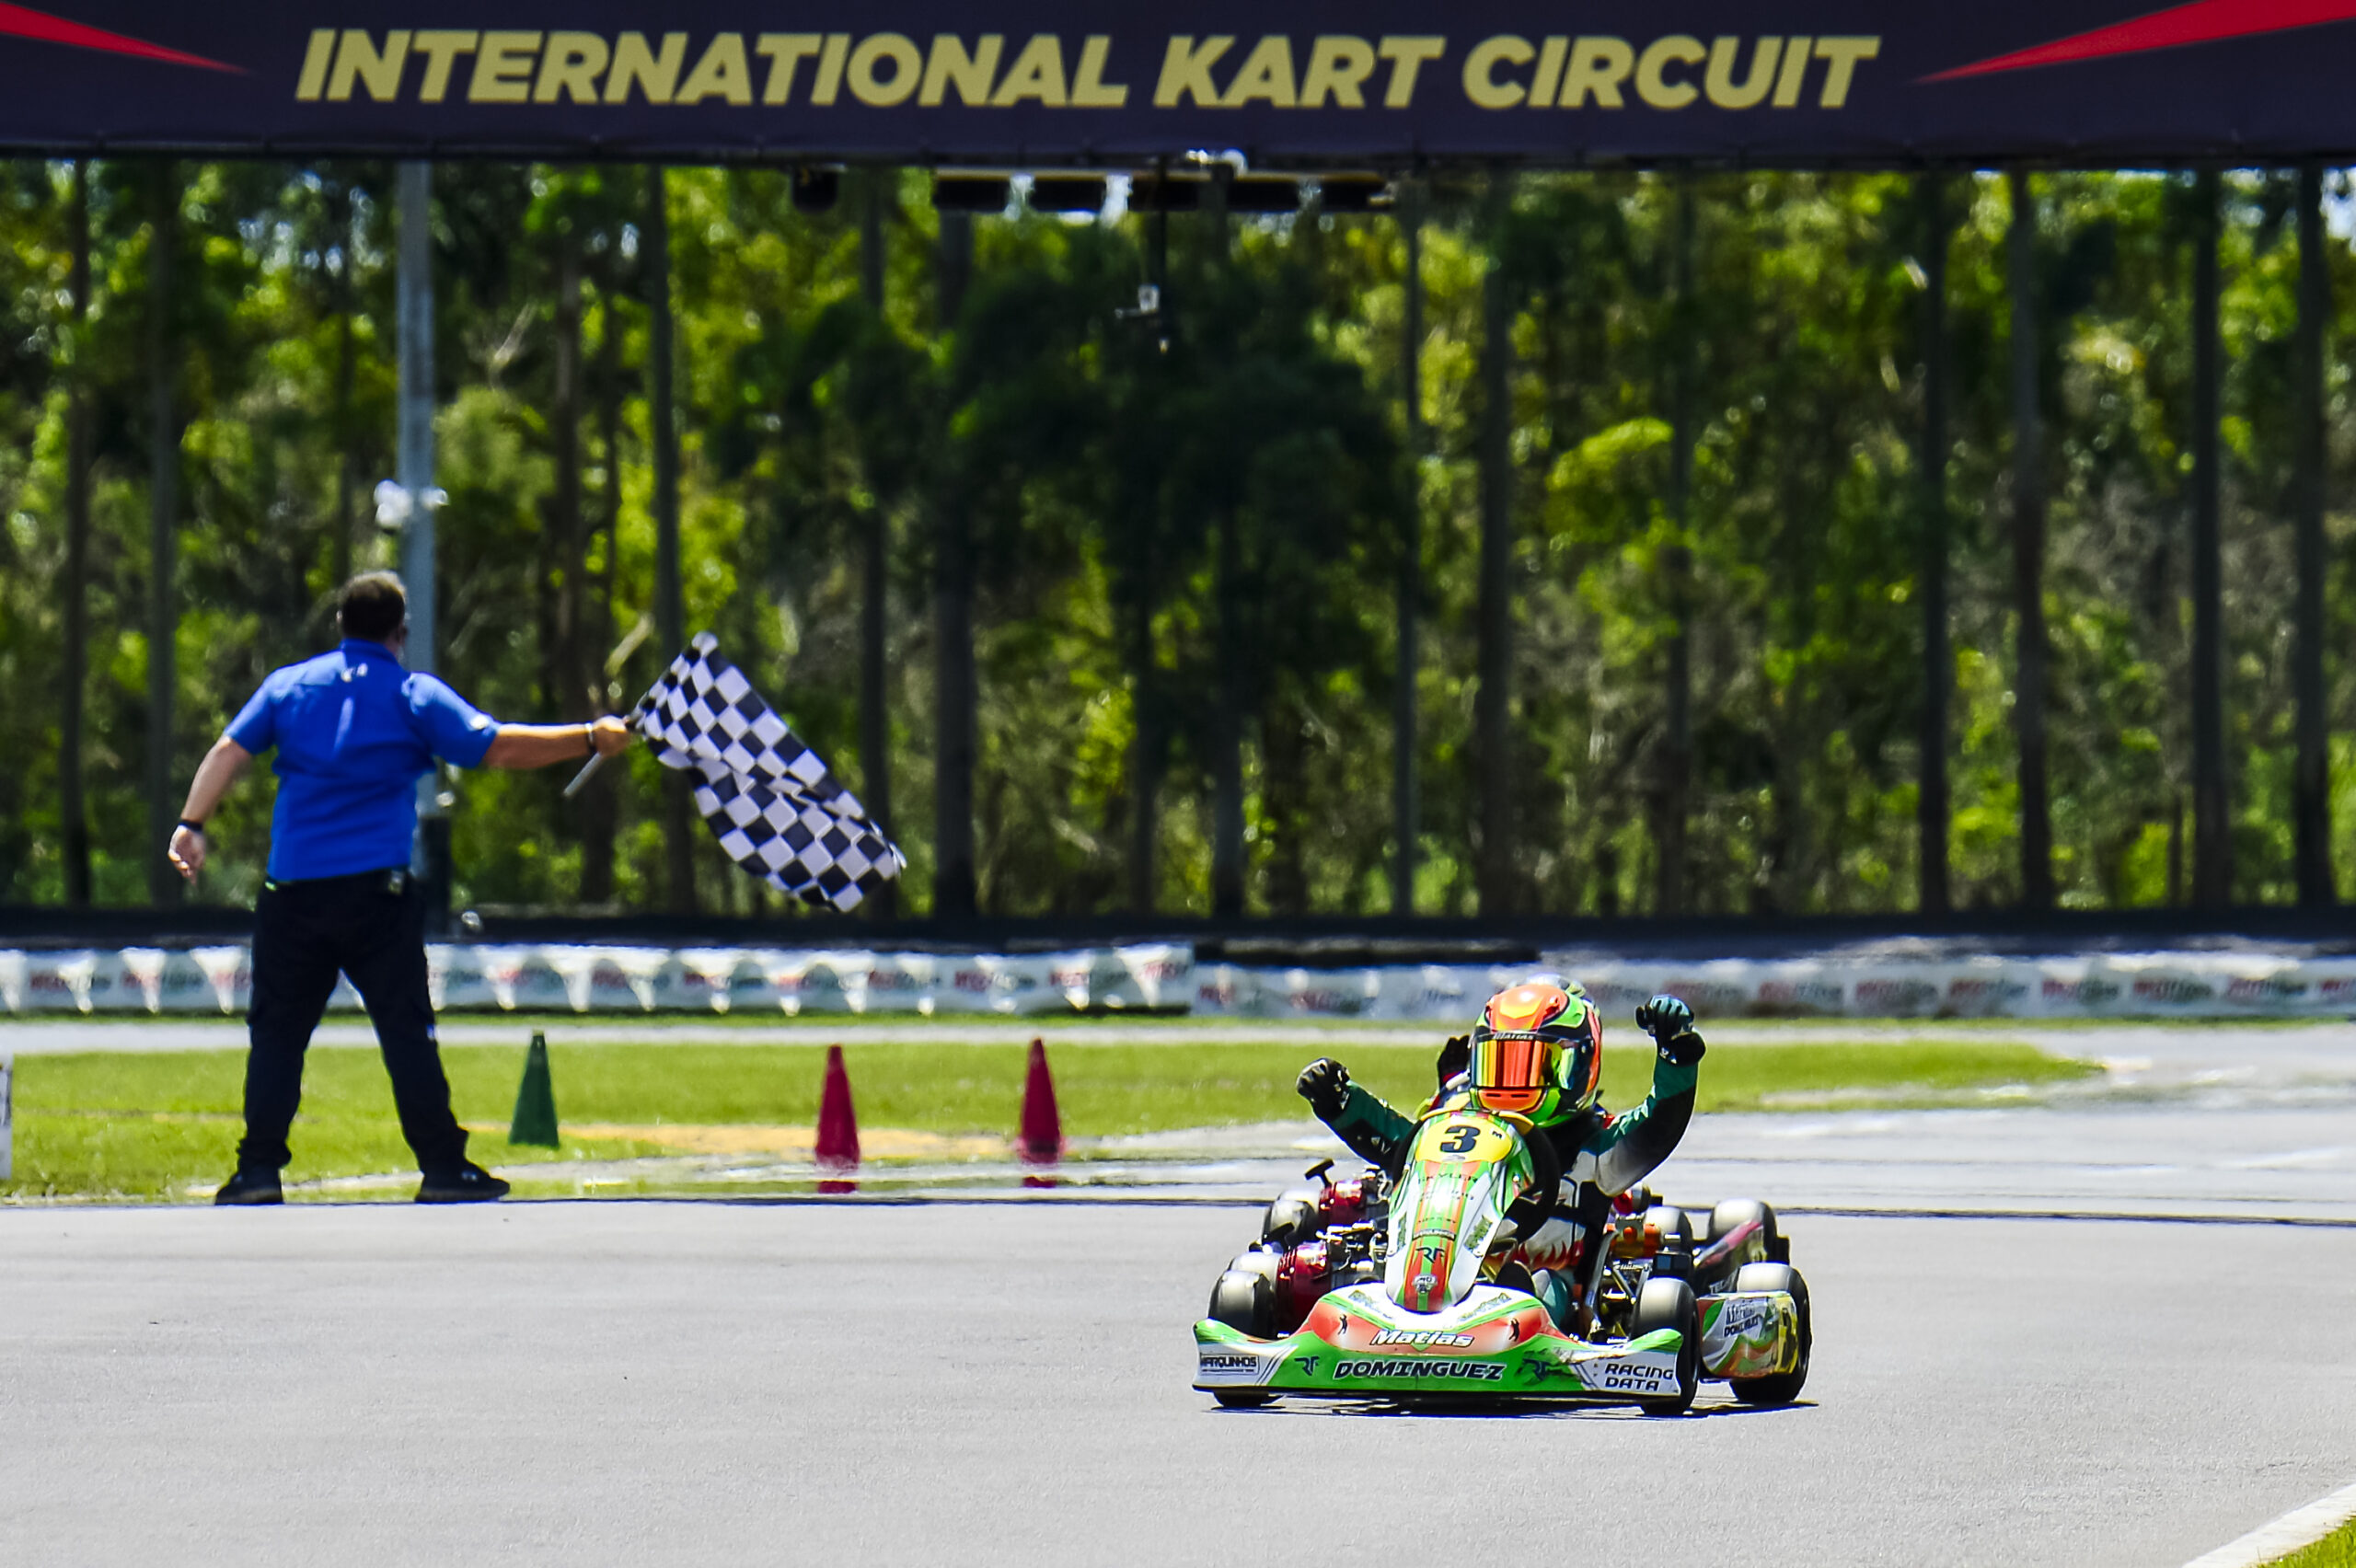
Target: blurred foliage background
1185, 535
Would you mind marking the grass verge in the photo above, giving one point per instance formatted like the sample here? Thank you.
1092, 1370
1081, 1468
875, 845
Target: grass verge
2336, 1550
148, 1125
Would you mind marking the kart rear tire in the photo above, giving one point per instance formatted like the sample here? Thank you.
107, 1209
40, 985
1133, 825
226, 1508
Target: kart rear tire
1734, 1213
1293, 1219
1675, 1259
1245, 1300
1241, 1399
1669, 1303
1780, 1388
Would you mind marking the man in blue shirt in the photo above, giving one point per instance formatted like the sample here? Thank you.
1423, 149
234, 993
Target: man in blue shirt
354, 732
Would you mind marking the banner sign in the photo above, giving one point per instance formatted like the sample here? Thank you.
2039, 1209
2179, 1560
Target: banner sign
1034, 83
2107, 985
566, 977
1164, 977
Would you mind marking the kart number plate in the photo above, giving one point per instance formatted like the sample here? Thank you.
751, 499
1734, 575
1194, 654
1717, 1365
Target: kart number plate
1462, 1141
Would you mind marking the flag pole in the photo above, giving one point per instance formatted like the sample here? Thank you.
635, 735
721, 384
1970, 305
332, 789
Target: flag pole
596, 760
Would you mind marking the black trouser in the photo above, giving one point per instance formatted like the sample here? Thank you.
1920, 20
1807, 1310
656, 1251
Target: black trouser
372, 927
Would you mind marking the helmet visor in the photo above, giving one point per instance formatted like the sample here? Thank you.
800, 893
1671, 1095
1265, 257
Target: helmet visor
1512, 1072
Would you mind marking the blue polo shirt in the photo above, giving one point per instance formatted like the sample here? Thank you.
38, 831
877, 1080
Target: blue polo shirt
354, 732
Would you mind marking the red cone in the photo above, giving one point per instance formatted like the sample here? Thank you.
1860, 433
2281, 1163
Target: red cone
1042, 1140
837, 1127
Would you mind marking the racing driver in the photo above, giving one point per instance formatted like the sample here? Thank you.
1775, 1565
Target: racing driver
1537, 1052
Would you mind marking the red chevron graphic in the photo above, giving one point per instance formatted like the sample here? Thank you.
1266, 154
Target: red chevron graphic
18, 22
2202, 21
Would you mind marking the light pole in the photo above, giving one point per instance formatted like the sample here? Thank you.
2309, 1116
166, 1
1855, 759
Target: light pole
412, 500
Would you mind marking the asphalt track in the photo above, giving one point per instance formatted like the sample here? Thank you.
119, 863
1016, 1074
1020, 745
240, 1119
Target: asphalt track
700, 1383
638, 1383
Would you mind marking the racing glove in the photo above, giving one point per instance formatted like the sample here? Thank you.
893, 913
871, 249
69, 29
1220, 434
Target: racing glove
1325, 1084
1670, 1023
1454, 1057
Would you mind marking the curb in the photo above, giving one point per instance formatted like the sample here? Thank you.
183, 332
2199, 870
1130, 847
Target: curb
2279, 1538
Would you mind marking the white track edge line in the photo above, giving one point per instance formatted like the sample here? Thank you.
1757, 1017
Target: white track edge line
2279, 1538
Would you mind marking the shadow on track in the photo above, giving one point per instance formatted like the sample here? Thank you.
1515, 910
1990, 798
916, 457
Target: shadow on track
1473, 1411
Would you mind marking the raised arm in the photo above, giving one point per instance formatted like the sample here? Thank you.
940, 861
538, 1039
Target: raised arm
1633, 1143
521, 747
1357, 1116
219, 769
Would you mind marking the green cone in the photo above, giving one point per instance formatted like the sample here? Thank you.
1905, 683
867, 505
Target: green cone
536, 1099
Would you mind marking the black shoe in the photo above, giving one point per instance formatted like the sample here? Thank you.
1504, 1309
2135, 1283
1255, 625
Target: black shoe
250, 1187
470, 1183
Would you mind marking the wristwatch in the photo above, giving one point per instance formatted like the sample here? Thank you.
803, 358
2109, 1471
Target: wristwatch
195, 827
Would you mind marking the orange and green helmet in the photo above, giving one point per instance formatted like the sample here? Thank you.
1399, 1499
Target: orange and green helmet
1538, 1051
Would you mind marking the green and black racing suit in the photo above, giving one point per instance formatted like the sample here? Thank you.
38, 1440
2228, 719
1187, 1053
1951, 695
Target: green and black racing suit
1599, 1155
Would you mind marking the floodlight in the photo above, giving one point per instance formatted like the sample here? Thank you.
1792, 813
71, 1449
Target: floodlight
1066, 192
970, 192
815, 189
1161, 193
1262, 193
1354, 193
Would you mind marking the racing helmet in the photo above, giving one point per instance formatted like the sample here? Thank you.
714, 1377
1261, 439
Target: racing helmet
1537, 1051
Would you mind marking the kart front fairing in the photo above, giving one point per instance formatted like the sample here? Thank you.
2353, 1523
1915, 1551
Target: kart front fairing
1463, 1171
1495, 1342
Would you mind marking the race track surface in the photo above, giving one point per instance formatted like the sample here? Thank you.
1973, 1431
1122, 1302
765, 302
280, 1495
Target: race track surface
698, 1383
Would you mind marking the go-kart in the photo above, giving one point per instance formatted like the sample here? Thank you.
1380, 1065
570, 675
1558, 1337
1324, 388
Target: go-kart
1367, 1289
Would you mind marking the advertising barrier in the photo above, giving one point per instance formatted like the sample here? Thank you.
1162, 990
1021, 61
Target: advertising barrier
586, 979
1164, 976
2108, 986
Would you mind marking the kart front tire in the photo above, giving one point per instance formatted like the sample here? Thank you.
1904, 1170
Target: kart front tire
1241, 1399
1669, 1303
1780, 1388
1245, 1300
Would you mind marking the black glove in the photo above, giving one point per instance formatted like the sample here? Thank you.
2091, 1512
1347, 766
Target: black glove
1454, 1057
1682, 1050
1325, 1084
1670, 1023
1663, 1017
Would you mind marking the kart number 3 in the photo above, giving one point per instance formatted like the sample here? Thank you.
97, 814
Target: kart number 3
1460, 1139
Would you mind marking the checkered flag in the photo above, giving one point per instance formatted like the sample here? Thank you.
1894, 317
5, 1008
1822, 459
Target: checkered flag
776, 809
